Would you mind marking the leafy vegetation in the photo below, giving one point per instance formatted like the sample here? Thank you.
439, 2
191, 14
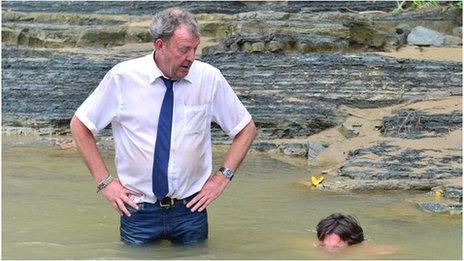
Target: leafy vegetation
418, 4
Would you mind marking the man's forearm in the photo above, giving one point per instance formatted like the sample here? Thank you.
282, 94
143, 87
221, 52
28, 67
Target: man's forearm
240, 146
217, 183
87, 147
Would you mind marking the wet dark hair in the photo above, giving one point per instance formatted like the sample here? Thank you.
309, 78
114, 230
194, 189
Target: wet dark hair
346, 227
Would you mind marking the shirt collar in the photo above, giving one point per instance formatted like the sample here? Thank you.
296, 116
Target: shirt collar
154, 72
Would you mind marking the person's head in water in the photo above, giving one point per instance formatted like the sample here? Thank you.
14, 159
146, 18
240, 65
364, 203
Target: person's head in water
338, 230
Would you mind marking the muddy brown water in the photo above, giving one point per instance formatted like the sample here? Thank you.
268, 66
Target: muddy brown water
50, 211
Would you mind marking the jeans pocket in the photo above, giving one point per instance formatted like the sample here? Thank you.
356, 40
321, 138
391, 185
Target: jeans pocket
133, 210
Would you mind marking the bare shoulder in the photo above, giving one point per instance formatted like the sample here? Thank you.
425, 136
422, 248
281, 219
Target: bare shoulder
376, 249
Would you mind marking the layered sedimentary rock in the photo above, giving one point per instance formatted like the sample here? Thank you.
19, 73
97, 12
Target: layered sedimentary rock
390, 166
278, 78
241, 26
228, 7
412, 124
416, 146
293, 64
325, 31
289, 96
309, 87
42, 88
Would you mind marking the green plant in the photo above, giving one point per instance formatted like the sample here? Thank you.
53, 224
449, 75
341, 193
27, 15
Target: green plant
417, 4
399, 5
424, 3
458, 4
401, 94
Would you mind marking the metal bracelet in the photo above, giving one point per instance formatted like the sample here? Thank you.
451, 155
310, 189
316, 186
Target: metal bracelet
105, 183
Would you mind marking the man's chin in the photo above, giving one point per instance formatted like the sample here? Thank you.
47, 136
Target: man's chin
182, 73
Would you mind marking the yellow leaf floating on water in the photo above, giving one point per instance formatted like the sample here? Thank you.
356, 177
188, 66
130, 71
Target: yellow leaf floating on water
316, 180
437, 193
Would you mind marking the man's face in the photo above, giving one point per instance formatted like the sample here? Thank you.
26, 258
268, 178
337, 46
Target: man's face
333, 241
178, 53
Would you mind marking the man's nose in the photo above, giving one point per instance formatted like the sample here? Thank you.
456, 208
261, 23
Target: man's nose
191, 55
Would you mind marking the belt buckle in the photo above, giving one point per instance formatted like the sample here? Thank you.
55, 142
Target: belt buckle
170, 203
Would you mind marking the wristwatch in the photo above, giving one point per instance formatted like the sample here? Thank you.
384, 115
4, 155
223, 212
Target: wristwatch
227, 172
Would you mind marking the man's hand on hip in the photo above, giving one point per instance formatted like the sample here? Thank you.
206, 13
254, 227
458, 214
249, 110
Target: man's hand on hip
212, 189
117, 195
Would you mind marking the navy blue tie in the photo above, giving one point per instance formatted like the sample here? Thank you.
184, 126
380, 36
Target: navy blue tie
163, 143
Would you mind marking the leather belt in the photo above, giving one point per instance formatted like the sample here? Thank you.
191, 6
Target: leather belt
168, 202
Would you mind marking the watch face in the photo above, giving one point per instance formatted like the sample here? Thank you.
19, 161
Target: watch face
227, 172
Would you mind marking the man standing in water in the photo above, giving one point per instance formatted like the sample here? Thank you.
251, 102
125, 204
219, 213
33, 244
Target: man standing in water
160, 108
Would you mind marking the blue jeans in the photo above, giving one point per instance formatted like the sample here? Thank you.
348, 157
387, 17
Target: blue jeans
152, 222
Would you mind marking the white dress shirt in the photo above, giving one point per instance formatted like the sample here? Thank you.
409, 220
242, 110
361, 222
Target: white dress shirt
130, 97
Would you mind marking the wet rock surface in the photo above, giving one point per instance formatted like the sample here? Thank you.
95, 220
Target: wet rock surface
293, 64
315, 148
328, 31
412, 124
229, 7
407, 166
309, 87
42, 89
300, 27
60, 30
442, 199
349, 130
425, 37
289, 96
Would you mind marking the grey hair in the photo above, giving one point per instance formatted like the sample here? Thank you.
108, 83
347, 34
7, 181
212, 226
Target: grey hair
165, 22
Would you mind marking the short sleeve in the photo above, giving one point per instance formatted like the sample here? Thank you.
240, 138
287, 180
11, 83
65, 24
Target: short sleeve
227, 110
101, 107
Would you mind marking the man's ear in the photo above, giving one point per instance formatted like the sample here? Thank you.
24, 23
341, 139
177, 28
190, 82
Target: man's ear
159, 44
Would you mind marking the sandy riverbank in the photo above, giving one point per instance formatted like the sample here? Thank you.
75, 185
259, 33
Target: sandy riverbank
427, 53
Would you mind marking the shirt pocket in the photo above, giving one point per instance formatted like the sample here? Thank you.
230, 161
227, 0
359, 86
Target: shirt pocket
196, 118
